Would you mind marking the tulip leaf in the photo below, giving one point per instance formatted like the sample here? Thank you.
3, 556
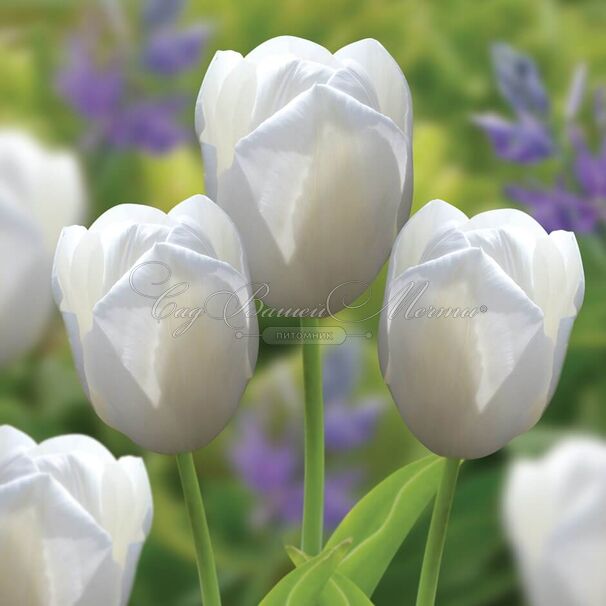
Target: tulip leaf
381, 520
339, 591
305, 584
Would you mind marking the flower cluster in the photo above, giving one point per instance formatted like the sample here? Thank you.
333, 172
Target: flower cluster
269, 460
112, 74
575, 200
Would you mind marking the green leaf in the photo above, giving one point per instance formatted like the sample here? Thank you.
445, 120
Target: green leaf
339, 591
379, 523
304, 584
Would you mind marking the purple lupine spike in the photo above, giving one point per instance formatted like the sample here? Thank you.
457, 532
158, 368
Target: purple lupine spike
340, 370
519, 80
348, 427
557, 208
339, 497
158, 13
93, 91
526, 141
151, 125
589, 169
173, 51
264, 466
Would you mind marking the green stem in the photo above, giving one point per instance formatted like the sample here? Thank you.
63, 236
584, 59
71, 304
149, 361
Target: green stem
313, 496
436, 538
207, 572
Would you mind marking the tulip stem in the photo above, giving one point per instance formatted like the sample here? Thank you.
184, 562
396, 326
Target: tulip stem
313, 494
436, 538
207, 572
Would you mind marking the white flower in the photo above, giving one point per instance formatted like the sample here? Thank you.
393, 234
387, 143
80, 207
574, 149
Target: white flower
40, 192
144, 295
554, 510
466, 386
310, 154
73, 520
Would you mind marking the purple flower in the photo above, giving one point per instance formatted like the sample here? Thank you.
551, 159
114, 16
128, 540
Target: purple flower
263, 465
173, 51
122, 107
519, 80
577, 201
93, 90
341, 369
271, 462
150, 125
525, 141
557, 208
161, 12
347, 426
589, 169
273, 470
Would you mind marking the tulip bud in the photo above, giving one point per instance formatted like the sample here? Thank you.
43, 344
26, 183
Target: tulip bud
160, 317
310, 154
40, 192
475, 325
554, 517
73, 520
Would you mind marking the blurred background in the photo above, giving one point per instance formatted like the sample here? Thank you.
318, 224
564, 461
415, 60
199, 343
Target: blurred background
509, 110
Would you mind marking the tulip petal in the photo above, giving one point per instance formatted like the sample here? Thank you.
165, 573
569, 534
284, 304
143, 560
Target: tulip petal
291, 181
510, 249
12, 443
74, 443
43, 533
208, 220
281, 79
559, 290
457, 381
223, 112
141, 366
566, 243
221, 65
25, 298
513, 218
424, 228
553, 514
291, 45
129, 213
390, 83
48, 184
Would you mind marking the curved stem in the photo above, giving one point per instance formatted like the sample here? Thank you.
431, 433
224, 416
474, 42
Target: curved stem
313, 498
207, 572
436, 538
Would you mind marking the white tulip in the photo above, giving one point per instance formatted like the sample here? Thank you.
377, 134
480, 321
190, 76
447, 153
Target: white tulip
40, 192
143, 296
73, 520
554, 513
310, 154
467, 385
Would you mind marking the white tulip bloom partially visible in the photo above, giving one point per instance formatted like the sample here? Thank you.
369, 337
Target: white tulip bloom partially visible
41, 191
467, 385
144, 295
73, 520
310, 154
554, 513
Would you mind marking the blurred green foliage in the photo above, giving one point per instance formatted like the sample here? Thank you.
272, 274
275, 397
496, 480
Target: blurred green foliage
443, 48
